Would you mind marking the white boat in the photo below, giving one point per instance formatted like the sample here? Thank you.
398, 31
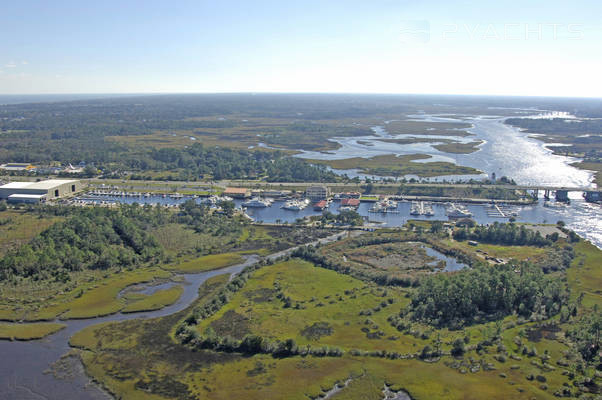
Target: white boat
294, 205
256, 202
416, 208
377, 207
211, 200
390, 204
428, 210
458, 211
384, 206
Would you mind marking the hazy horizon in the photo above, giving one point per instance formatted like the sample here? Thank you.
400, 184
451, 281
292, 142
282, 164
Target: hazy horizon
535, 48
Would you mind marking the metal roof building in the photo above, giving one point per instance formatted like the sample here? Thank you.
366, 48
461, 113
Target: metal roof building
50, 189
26, 198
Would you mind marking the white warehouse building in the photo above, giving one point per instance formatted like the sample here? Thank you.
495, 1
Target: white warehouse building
39, 191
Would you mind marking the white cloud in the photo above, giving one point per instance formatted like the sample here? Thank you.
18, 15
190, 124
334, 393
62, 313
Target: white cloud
10, 65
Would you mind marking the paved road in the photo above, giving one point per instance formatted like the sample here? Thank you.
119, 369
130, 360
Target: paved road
253, 184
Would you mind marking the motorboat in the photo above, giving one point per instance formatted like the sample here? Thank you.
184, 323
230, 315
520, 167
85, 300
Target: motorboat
377, 207
458, 211
295, 205
257, 202
416, 208
428, 210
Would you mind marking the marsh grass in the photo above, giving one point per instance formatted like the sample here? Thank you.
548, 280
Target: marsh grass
155, 301
28, 331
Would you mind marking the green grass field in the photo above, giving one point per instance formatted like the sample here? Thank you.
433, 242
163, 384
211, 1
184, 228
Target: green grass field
94, 296
585, 274
318, 296
28, 331
498, 251
147, 352
207, 263
398, 166
459, 148
138, 302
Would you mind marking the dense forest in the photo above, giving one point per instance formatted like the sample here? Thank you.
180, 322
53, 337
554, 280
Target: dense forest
101, 238
91, 238
485, 293
507, 234
224, 163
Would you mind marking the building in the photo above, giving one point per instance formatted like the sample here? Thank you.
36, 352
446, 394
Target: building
44, 190
320, 205
316, 193
27, 198
350, 195
237, 193
353, 203
17, 167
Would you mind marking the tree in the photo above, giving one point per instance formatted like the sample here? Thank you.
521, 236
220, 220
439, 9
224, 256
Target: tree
227, 207
436, 226
458, 348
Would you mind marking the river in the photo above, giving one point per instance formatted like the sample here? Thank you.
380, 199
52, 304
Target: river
506, 151
25, 366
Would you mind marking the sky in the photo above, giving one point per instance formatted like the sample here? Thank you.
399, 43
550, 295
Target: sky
525, 47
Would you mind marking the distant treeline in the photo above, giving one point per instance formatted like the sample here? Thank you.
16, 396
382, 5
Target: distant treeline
557, 126
76, 131
223, 163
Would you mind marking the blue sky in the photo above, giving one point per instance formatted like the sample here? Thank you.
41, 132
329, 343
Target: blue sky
463, 47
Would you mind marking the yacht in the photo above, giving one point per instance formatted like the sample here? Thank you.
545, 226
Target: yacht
390, 204
377, 207
384, 206
295, 205
257, 203
416, 208
428, 210
458, 211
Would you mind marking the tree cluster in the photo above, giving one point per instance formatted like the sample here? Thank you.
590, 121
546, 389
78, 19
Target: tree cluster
91, 238
485, 293
506, 234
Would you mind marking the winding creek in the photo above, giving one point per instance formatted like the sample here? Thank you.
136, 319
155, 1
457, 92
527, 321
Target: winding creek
25, 368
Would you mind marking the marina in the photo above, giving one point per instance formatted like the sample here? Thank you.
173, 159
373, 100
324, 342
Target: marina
421, 208
579, 215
